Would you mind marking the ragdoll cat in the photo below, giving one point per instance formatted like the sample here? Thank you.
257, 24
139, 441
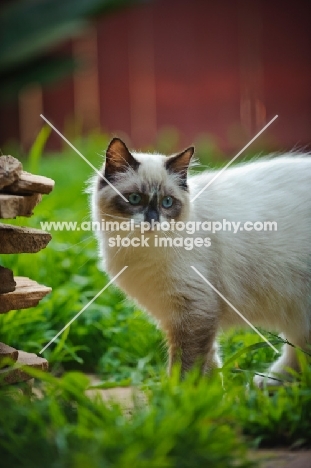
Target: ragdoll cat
265, 275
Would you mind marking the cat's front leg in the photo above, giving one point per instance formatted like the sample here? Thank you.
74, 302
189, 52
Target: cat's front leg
192, 341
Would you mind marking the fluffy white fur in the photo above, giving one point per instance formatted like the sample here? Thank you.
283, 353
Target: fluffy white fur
265, 275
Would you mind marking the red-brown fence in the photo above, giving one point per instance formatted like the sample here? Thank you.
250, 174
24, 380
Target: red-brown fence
203, 67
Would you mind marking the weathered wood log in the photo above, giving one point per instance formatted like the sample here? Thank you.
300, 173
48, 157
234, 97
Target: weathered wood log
18, 372
7, 283
18, 205
30, 183
10, 170
15, 239
28, 293
26, 388
7, 354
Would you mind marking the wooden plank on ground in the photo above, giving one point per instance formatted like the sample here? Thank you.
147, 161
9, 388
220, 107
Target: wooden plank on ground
28, 293
18, 205
15, 239
30, 183
10, 170
18, 372
7, 353
7, 283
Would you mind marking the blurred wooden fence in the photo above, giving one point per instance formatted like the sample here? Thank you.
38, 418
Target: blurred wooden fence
203, 67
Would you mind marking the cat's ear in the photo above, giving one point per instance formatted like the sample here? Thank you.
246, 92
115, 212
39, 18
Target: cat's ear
118, 159
179, 164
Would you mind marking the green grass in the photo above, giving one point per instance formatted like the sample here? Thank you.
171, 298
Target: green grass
67, 429
197, 422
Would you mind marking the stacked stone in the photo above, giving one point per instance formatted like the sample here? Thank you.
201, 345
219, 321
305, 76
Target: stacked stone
20, 192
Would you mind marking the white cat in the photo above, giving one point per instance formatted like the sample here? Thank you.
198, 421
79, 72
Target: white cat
264, 274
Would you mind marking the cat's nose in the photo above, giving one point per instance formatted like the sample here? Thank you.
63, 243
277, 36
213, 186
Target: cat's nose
152, 215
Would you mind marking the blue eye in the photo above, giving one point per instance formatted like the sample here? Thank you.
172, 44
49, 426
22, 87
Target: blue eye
167, 202
134, 198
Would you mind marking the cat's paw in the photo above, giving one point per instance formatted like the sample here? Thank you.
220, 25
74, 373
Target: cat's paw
262, 381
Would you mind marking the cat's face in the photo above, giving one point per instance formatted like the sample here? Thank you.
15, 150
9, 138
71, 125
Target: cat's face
154, 186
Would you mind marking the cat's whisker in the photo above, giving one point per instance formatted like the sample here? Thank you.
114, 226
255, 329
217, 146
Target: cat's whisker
116, 217
86, 218
87, 261
175, 233
91, 237
121, 246
173, 247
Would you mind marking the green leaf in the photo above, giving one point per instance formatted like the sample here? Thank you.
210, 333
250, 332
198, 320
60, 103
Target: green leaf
36, 150
247, 349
